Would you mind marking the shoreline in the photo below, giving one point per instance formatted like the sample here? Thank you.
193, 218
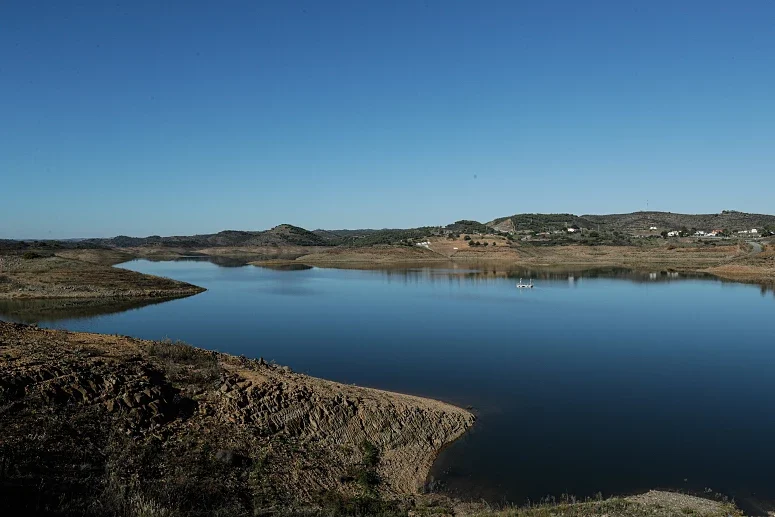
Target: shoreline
403, 470
174, 427
89, 276
313, 429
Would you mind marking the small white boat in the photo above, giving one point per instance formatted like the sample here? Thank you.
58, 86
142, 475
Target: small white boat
529, 285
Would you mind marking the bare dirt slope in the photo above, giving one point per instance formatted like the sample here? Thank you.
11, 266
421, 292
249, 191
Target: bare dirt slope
97, 424
758, 266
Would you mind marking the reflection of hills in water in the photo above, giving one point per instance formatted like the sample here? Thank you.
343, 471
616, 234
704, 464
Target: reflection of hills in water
39, 311
53, 310
285, 267
480, 272
475, 272
241, 260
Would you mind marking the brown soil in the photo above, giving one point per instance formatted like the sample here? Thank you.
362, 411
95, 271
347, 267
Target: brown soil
62, 277
653, 504
372, 255
114, 425
97, 256
755, 267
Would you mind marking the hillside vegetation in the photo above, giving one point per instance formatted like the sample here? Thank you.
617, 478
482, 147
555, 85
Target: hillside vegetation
289, 235
284, 234
636, 221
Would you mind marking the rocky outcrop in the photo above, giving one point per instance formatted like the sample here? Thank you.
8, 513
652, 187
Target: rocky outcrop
167, 419
408, 431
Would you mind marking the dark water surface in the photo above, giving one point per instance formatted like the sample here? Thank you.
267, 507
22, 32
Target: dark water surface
592, 381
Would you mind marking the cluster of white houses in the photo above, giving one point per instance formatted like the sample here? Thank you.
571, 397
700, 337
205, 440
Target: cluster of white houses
677, 233
712, 233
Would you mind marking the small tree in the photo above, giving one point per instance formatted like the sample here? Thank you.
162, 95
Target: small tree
467, 238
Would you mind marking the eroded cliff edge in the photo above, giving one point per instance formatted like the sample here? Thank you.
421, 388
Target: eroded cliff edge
107, 423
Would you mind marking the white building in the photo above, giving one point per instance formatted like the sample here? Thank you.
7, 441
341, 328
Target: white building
674, 233
754, 231
653, 228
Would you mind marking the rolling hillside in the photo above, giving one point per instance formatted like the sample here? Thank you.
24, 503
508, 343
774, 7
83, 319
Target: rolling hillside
289, 235
284, 234
636, 221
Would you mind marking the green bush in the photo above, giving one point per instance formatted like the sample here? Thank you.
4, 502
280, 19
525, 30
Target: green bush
370, 453
29, 255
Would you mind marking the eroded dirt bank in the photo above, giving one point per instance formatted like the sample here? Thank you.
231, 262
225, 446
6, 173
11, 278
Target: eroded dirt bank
102, 424
32, 276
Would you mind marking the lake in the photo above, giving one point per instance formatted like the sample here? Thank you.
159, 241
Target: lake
594, 381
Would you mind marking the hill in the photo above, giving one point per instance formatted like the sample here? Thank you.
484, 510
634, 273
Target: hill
284, 234
538, 222
289, 235
637, 221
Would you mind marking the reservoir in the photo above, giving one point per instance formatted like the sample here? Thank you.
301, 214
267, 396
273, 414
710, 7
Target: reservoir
593, 381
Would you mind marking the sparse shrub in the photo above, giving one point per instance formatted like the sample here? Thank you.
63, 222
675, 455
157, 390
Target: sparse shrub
367, 478
178, 355
177, 351
467, 238
29, 255
370, 453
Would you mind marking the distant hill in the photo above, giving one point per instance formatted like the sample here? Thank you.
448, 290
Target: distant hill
284, 234
538, 222
467, 226
289, 235
726, 220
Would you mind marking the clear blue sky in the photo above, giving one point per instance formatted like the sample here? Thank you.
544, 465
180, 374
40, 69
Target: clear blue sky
190, 117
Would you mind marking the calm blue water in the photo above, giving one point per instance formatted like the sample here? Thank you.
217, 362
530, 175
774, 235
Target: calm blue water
583, 385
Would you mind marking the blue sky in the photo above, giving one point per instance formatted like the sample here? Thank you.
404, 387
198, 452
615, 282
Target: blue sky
191, 117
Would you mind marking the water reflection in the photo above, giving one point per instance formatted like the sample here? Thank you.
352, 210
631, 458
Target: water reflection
53, 310
473, 272
602, 379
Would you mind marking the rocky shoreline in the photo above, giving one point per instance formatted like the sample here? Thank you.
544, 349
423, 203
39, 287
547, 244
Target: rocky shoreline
267, 435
